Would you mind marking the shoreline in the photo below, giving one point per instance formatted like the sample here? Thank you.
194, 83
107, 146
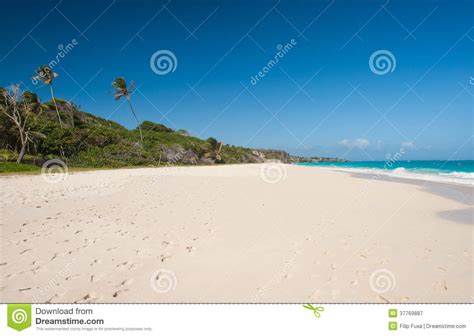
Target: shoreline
230, 233
458, 192
405, 174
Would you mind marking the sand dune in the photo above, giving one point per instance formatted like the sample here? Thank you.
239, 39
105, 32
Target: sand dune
240, 233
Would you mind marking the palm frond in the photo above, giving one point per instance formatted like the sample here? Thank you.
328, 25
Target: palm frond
45, 75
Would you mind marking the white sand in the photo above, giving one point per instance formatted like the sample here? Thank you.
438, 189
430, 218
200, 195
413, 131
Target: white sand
223, 234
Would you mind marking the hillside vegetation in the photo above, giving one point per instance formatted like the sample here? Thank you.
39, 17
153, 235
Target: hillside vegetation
84, 140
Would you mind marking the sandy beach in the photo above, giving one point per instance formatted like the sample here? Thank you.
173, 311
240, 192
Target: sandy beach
236, 233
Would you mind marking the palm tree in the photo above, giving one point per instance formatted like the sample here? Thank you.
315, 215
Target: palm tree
121, 90
46, 75
216, 149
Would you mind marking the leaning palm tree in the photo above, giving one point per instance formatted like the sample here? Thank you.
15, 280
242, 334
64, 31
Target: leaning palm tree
216, 150
47, 76
121, 90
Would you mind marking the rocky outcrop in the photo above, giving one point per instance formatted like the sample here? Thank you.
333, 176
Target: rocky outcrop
272, 154
301, 159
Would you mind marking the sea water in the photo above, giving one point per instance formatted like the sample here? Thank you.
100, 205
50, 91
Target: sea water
458, 172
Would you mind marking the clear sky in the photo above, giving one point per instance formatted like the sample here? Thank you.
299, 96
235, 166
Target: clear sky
321, 97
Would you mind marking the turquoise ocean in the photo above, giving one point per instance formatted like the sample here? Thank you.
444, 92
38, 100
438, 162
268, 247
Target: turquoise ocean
458, 172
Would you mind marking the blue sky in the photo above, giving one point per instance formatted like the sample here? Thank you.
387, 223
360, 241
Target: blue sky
321, 98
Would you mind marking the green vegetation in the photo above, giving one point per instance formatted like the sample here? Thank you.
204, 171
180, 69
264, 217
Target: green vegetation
121, 90
32, 131
47, 76
10, 167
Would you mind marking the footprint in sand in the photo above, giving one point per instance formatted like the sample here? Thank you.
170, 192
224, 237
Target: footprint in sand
96, 277
133, 266
96, 261
33, 270
72, 277
127, 282
54, 257
121, 265
88, 298
440, 285
120, 292
50, 300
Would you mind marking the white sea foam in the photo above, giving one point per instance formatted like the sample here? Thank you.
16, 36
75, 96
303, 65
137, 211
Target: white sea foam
461, 178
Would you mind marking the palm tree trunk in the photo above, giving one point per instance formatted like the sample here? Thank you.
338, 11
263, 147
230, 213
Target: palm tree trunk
56, 106
138, 122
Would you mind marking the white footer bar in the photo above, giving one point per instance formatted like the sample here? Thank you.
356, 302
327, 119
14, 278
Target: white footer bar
236, 319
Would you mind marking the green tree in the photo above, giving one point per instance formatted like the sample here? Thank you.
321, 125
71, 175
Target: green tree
121, 90
213, 142
18, 112
47, 76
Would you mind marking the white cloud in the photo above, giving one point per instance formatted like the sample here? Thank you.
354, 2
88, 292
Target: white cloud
379, 145
345, 143
360, 143
408, 144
